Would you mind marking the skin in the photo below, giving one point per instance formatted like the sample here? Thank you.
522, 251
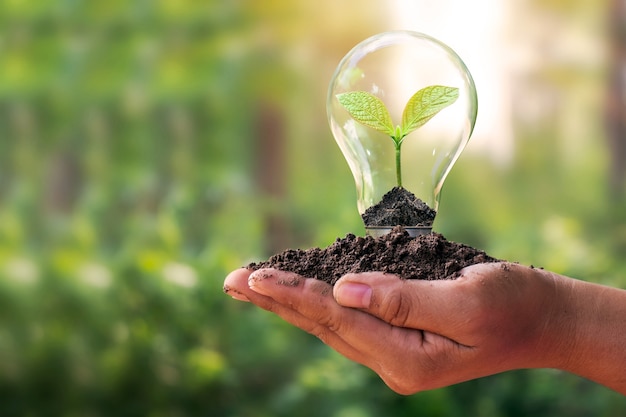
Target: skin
420, 335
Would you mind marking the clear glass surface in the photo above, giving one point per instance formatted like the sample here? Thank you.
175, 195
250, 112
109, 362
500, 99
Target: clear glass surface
394, 66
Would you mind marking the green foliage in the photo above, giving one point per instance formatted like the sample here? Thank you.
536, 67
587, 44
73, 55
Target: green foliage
130, 186
425, 104
370, 111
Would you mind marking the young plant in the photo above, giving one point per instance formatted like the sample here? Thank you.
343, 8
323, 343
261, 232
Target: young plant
370, 111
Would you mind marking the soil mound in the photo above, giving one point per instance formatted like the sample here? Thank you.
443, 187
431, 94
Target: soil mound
427, 257
399, 207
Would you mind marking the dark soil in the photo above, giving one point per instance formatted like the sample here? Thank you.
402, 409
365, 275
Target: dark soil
399, 207
427, 257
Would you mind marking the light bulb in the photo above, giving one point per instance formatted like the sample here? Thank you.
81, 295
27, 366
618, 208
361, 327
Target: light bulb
392, 67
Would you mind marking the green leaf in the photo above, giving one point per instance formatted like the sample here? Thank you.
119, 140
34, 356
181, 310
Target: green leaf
425, 104
368, 110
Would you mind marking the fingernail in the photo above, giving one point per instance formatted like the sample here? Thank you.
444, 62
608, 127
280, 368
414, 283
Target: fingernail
352, 294
235, 294
255, 280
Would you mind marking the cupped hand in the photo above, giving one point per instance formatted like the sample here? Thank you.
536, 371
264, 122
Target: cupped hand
418, 335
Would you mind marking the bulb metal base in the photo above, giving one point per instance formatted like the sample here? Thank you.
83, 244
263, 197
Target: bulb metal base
413, 231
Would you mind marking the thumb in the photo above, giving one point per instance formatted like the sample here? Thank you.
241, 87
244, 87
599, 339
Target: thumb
418, 304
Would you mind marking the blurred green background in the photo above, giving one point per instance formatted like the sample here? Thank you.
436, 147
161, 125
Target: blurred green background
147, 148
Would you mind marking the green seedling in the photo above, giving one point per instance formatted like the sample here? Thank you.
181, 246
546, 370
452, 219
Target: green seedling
370, 111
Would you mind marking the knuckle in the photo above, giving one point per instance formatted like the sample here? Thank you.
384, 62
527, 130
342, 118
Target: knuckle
430, 369
401, 389
332, 324
396, 309
403, 384
328, 322
325, 330
321, 332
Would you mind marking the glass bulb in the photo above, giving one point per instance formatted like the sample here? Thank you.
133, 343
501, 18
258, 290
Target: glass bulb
393, 66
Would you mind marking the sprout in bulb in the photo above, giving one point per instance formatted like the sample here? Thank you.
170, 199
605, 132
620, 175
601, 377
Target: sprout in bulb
370, 111
420, 82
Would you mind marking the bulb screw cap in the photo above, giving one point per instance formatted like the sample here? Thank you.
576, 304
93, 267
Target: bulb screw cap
413, 231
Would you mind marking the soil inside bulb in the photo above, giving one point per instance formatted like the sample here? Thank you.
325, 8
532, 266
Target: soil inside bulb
399, 207
427, 257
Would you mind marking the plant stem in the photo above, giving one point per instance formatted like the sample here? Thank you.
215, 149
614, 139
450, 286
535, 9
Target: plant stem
398, 163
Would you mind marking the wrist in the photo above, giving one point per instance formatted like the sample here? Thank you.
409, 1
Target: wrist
589, 333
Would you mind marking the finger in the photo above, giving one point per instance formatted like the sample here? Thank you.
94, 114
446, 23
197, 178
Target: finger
236, 285
367, 336
399, 355
426, 358
305, 302
440, 306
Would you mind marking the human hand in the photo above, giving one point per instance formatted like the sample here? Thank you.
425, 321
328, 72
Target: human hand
415, 334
